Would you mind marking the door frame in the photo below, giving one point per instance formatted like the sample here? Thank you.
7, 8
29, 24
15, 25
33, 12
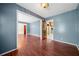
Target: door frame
23, 30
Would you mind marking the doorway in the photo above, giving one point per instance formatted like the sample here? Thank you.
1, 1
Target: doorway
24, 29
50, 27
21, 34
21, 29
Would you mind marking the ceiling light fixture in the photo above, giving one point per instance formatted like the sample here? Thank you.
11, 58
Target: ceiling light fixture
44, 5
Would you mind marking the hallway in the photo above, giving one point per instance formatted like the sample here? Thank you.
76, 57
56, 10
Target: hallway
33, 46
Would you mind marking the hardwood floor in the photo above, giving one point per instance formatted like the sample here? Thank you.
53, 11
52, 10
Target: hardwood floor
34, 46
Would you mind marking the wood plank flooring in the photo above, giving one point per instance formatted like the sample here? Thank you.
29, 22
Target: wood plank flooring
34, 46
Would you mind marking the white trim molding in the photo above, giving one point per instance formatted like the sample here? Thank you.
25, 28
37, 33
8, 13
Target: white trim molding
35, 35
28, 33
78, 47
67, 43
7, 52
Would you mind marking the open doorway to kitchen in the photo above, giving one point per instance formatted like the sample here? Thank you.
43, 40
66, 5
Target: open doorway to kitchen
50, 26
47, 30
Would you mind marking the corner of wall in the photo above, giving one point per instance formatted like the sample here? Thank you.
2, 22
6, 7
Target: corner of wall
77, 7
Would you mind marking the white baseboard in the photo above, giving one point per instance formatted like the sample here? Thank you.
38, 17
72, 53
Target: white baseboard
7, 52
67, 43
28, 33
35, 35
78, 47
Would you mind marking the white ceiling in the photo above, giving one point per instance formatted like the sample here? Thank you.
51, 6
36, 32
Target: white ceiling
52, 10
23, 17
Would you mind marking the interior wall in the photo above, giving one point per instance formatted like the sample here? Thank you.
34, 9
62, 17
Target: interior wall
28, 28
66, 27
7, 27
35, 28
78, 25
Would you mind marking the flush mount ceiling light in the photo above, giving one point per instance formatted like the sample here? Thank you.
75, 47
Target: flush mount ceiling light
44, 5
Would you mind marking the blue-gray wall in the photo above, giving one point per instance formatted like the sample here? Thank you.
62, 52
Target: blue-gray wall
28, 28
78, 24
7, 27
35, 28
66, 27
